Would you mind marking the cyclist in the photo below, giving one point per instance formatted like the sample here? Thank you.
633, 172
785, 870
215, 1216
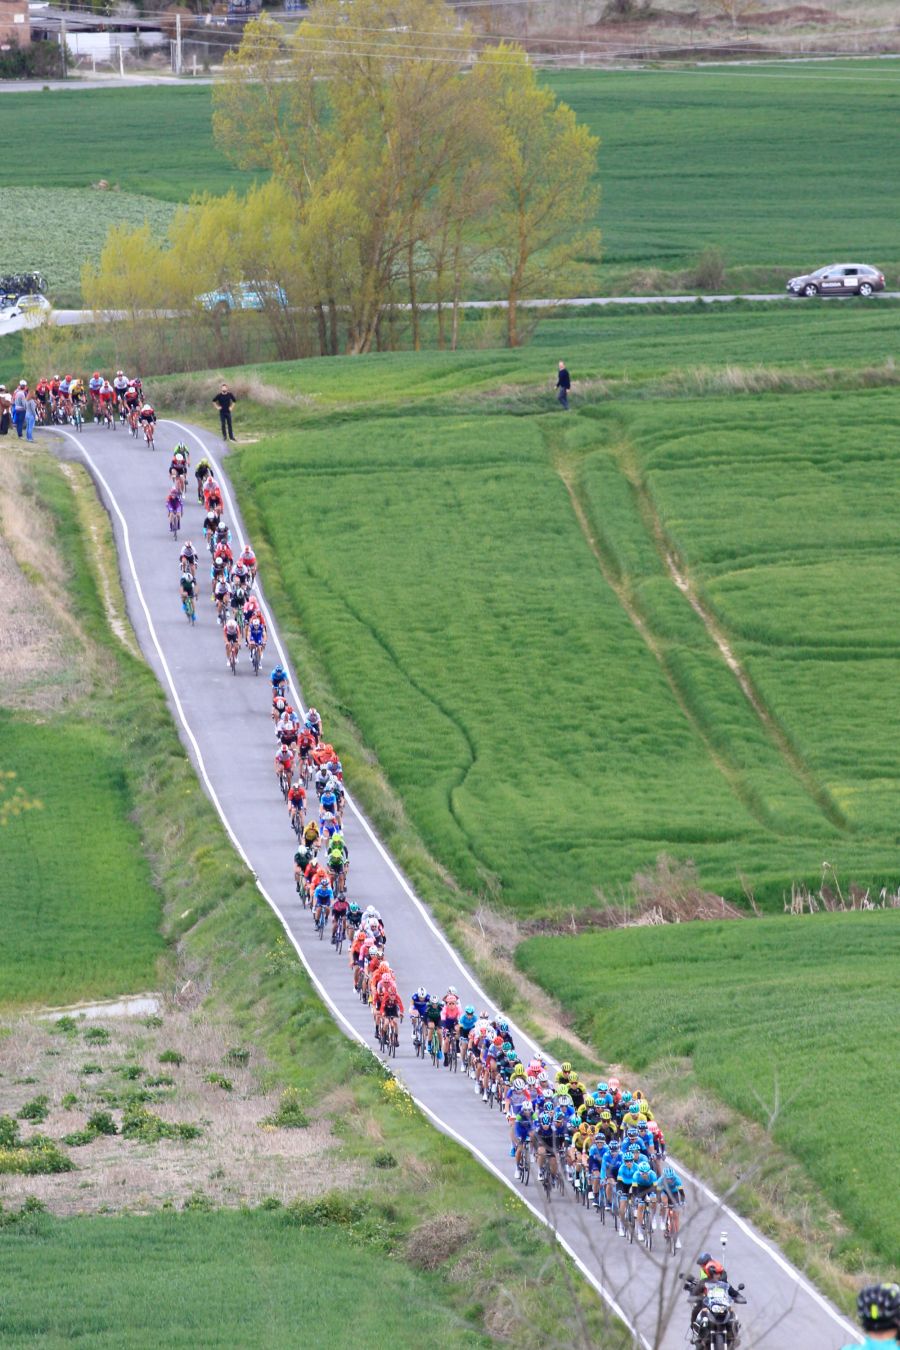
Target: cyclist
284, 760
339, 910
311, 834
95, 384
450, 1013
232, 636
389, 1006
201, 473
314, 724
278, 680
132, 404
338, 863
174, 508
76, 394
189, 559
328, 800
107, 402
120, 387
256, 636
178, 470
878, 1310
670, 1190
296, 801
188, 591
611, 1159
147, 419
643, 1188
418, 1005
42, 395
625, 1180
248, 558
322, 898
212, 496
433, 1023
221, 597
210, 522
354, 914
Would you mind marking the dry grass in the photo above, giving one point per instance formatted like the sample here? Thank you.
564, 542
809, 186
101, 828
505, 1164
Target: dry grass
437, 1239
236, 1161
187, 392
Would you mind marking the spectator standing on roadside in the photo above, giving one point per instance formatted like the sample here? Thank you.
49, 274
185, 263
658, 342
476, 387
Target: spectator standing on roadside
224, 401
20, 398
563, 385
30, 414
5, 406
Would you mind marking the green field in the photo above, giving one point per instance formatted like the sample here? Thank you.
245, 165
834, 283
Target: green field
464, 613
226, 1279
743, 159
791, 1009
80, 915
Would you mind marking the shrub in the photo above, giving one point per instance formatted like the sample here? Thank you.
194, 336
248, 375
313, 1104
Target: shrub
171, 1057
27, 1218
154, 1021
35, 1156
160, 1080
69, 1101
139, 1123
198, 1202
9, 1132
131, 1071
101, 1122
79, 1138
67, 1025
290, 1114
709, 270
37, 1109
91, 1068
237, 1057
384, 1159
219, 1080
97, 1036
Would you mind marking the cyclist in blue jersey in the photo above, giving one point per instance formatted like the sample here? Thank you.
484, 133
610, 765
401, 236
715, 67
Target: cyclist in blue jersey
279, 680
670, 1190
878, 1310
418, 1006
643, 1188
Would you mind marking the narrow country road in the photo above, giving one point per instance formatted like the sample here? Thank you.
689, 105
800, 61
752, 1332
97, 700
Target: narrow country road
236, 769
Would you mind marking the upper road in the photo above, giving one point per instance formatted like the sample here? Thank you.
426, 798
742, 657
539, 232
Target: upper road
225, 725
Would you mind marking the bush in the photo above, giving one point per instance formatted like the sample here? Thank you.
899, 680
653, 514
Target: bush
9, 1132
139, 1123
384, 1160
67, 1025
154, 1021
91, 1068
198, 1202
27, 1218
131, 1071
39, 60
219, 1080
97, 1036
237, 1057
171, 1057
37, 1109
34, 1157
69, 1101
290, 1114
709, 270
160, 1080
101, 1122
79, 1138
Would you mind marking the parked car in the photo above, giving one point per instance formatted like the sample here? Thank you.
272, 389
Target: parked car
839, 279
11, 306
245, 295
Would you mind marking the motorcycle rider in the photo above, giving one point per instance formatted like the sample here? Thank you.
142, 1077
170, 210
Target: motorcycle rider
698, 1287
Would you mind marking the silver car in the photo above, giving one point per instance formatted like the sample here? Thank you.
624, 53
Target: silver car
839, 279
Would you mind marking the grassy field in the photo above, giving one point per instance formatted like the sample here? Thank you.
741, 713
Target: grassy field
226, 1279
80, 915
491, 618
795, 1010
731, 158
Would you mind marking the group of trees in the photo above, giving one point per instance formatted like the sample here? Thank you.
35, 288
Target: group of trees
399, 165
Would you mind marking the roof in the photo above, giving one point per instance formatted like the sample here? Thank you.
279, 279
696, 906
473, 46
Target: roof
45, 16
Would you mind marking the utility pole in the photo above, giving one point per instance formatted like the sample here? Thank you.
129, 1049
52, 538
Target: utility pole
177, 44
62, 40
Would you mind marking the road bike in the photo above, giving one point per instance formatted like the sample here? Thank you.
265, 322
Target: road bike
523, 1165
418, 1039
148, 435
174, 523
340, 932
187, 604
232, 656
255, 656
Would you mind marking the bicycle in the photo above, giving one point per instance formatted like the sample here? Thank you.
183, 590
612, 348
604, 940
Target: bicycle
109, 417
418, 1039
174, 523
670, 1232
320, 921
340, 932
133, 422
647, 1226
187, 604
284, 778
148, 435
232, 661
628, 1220
523, 1164
434, 1046
393, 1039
255, 656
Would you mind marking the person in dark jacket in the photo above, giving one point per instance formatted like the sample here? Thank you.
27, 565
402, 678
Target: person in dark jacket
224, 401
563, 385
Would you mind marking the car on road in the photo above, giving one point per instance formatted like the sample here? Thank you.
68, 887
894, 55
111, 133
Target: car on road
245, 295
839, 279
12, 306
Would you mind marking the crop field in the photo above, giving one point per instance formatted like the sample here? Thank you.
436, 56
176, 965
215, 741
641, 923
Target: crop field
57, 230
732, 158
80, 916
805, 1003
184, 1280
472, 630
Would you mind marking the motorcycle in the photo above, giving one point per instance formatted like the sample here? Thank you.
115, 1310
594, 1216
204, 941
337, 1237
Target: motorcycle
714, 1324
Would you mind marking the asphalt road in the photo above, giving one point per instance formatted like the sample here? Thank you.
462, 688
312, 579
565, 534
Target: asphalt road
225, 725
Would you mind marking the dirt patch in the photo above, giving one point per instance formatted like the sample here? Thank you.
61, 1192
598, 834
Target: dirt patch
236, 1160
436, 1240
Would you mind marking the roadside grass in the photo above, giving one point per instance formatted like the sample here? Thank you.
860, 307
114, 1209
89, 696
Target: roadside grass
80, 915
227, 956
786, 1020
689, 159
222, 1279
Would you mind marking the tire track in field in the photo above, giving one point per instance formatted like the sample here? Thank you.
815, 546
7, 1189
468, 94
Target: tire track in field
625, 456
567, 468
489, 876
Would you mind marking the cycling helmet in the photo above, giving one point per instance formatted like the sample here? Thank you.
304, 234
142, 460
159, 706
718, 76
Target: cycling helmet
566, 1067
606, 1115
370, 909
503, 1026
470, 1011
878, 1307
453, 991
421, 992
313, 713
146, 408
484, 1016
95, 376
511, 1057
603, 1088
643, 1164
613, 1085
186, 576
119, 372
613, 1145
517, 1080
592, 1115
670, 1174
546, 1119
626, 1097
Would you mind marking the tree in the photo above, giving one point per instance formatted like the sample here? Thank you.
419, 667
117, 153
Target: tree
544, 166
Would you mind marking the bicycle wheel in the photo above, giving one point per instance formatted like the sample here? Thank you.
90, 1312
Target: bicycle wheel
232, 660
647, 1227
254, 658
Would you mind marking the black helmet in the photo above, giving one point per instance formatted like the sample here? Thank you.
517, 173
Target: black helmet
878, 1307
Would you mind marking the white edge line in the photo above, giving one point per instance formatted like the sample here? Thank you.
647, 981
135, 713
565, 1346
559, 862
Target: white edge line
770, 1251
320, 988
